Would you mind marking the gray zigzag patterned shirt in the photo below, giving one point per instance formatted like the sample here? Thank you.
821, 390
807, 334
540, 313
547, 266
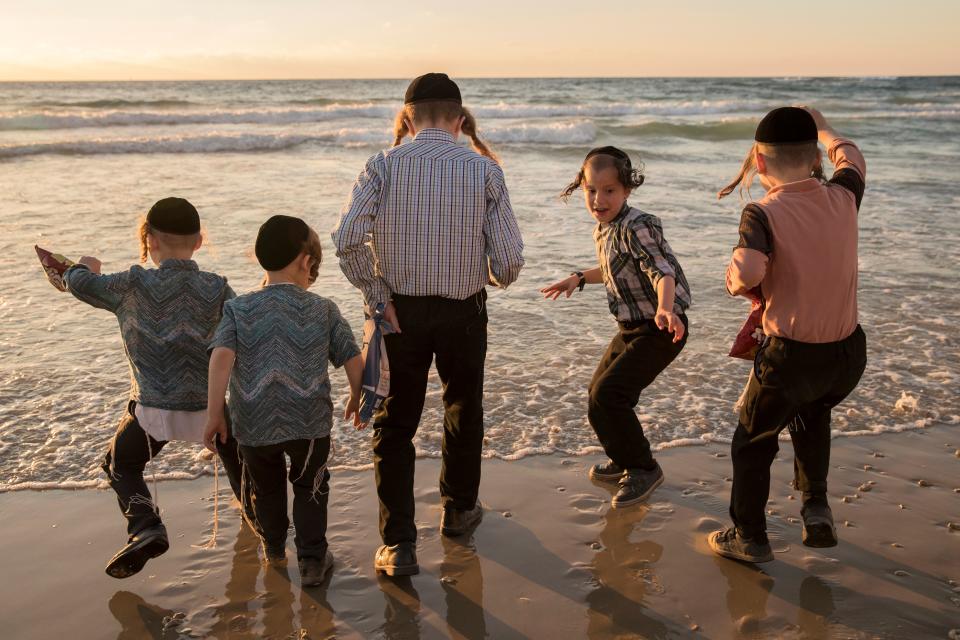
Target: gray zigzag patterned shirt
634, 255
283, 337
167, 317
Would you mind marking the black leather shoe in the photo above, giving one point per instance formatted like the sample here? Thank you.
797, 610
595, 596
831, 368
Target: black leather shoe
457, 522
397, 560
149, 543
313, 571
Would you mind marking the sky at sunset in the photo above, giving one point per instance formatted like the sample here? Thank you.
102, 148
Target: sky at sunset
180, 39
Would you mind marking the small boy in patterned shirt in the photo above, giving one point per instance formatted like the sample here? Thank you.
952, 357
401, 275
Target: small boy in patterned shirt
273, 346
648, 295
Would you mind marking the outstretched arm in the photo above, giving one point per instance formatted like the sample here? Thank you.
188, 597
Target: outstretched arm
569, 284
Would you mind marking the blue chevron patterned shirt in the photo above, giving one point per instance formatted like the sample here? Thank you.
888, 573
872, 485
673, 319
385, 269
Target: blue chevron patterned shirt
283, 338
167, 318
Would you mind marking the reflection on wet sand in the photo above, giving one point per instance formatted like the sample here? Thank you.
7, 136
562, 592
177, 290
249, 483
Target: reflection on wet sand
624, 573
401, 616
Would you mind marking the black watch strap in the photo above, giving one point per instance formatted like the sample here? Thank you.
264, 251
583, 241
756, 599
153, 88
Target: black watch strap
583, 280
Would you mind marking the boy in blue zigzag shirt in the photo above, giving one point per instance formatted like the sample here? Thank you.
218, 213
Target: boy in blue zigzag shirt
273, 345
167, 316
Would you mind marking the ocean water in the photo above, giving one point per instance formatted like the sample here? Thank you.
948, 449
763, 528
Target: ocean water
81, 162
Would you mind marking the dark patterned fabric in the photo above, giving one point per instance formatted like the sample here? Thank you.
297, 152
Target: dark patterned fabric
283, 337
167, 317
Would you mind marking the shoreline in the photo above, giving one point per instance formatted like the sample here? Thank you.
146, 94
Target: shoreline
550, 557
101, 484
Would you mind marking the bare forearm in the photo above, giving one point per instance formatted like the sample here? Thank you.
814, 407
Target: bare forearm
354, 370
666, 292
221, 364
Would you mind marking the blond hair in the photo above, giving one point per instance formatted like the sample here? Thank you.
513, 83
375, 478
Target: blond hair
169, 240
784, 155
445, 110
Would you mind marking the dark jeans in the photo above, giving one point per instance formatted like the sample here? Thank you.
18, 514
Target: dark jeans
634, 359
795, 384
266, 470
132, 448
455, 331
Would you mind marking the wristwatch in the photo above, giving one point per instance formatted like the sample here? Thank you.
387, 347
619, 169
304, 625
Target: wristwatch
583, 280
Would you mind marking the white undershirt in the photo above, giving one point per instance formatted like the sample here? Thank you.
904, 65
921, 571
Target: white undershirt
165, 424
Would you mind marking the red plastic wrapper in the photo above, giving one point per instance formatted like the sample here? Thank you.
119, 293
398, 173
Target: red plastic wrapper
751, 334
54, 265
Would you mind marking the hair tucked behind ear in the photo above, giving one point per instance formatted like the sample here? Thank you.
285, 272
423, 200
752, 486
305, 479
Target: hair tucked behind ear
441, 110
628, 176
745, 178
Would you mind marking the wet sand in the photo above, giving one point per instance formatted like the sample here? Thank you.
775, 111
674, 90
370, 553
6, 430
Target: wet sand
550, 560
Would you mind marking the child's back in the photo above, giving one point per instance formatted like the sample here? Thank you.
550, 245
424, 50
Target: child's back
167, 318
810, 284
283, 337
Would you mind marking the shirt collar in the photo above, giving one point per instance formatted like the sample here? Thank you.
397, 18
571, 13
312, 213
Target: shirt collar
174, 263
437, 135
808, 184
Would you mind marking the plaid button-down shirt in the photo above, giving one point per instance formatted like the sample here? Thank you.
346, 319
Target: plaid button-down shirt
428, 218
634, 256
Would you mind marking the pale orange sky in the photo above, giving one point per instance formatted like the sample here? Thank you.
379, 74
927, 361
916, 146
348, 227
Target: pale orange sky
180, 39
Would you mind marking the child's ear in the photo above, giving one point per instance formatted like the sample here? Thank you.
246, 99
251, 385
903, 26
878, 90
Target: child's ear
818, 165
152, 242
410, 127
304, 262
199, 242
761, 163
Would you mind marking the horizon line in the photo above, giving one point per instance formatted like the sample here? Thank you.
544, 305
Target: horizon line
497, 77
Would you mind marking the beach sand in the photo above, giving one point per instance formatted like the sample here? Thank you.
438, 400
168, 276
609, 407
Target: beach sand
550, 560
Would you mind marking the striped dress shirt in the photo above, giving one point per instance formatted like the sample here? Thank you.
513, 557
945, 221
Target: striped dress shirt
634, 256
428, 218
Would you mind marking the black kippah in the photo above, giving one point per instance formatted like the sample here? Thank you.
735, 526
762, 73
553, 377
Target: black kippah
432, 86
279, 241
610, 151
787, 125
174, 215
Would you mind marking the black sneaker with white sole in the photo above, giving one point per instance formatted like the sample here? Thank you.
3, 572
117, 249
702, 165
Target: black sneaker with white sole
636, 485
606, 472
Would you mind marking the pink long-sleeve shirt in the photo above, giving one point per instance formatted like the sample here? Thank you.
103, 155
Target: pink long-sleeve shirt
799, 243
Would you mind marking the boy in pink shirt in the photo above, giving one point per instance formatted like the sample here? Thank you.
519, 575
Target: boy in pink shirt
799, 245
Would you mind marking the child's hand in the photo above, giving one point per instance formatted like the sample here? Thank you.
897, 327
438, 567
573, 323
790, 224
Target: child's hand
669, 321
567, 286
216, 426
90, 263
353, 411
818, 118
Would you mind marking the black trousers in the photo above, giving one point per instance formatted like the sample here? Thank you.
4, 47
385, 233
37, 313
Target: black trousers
794, 384
634, 359
455, 331
131, 450
266, 469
